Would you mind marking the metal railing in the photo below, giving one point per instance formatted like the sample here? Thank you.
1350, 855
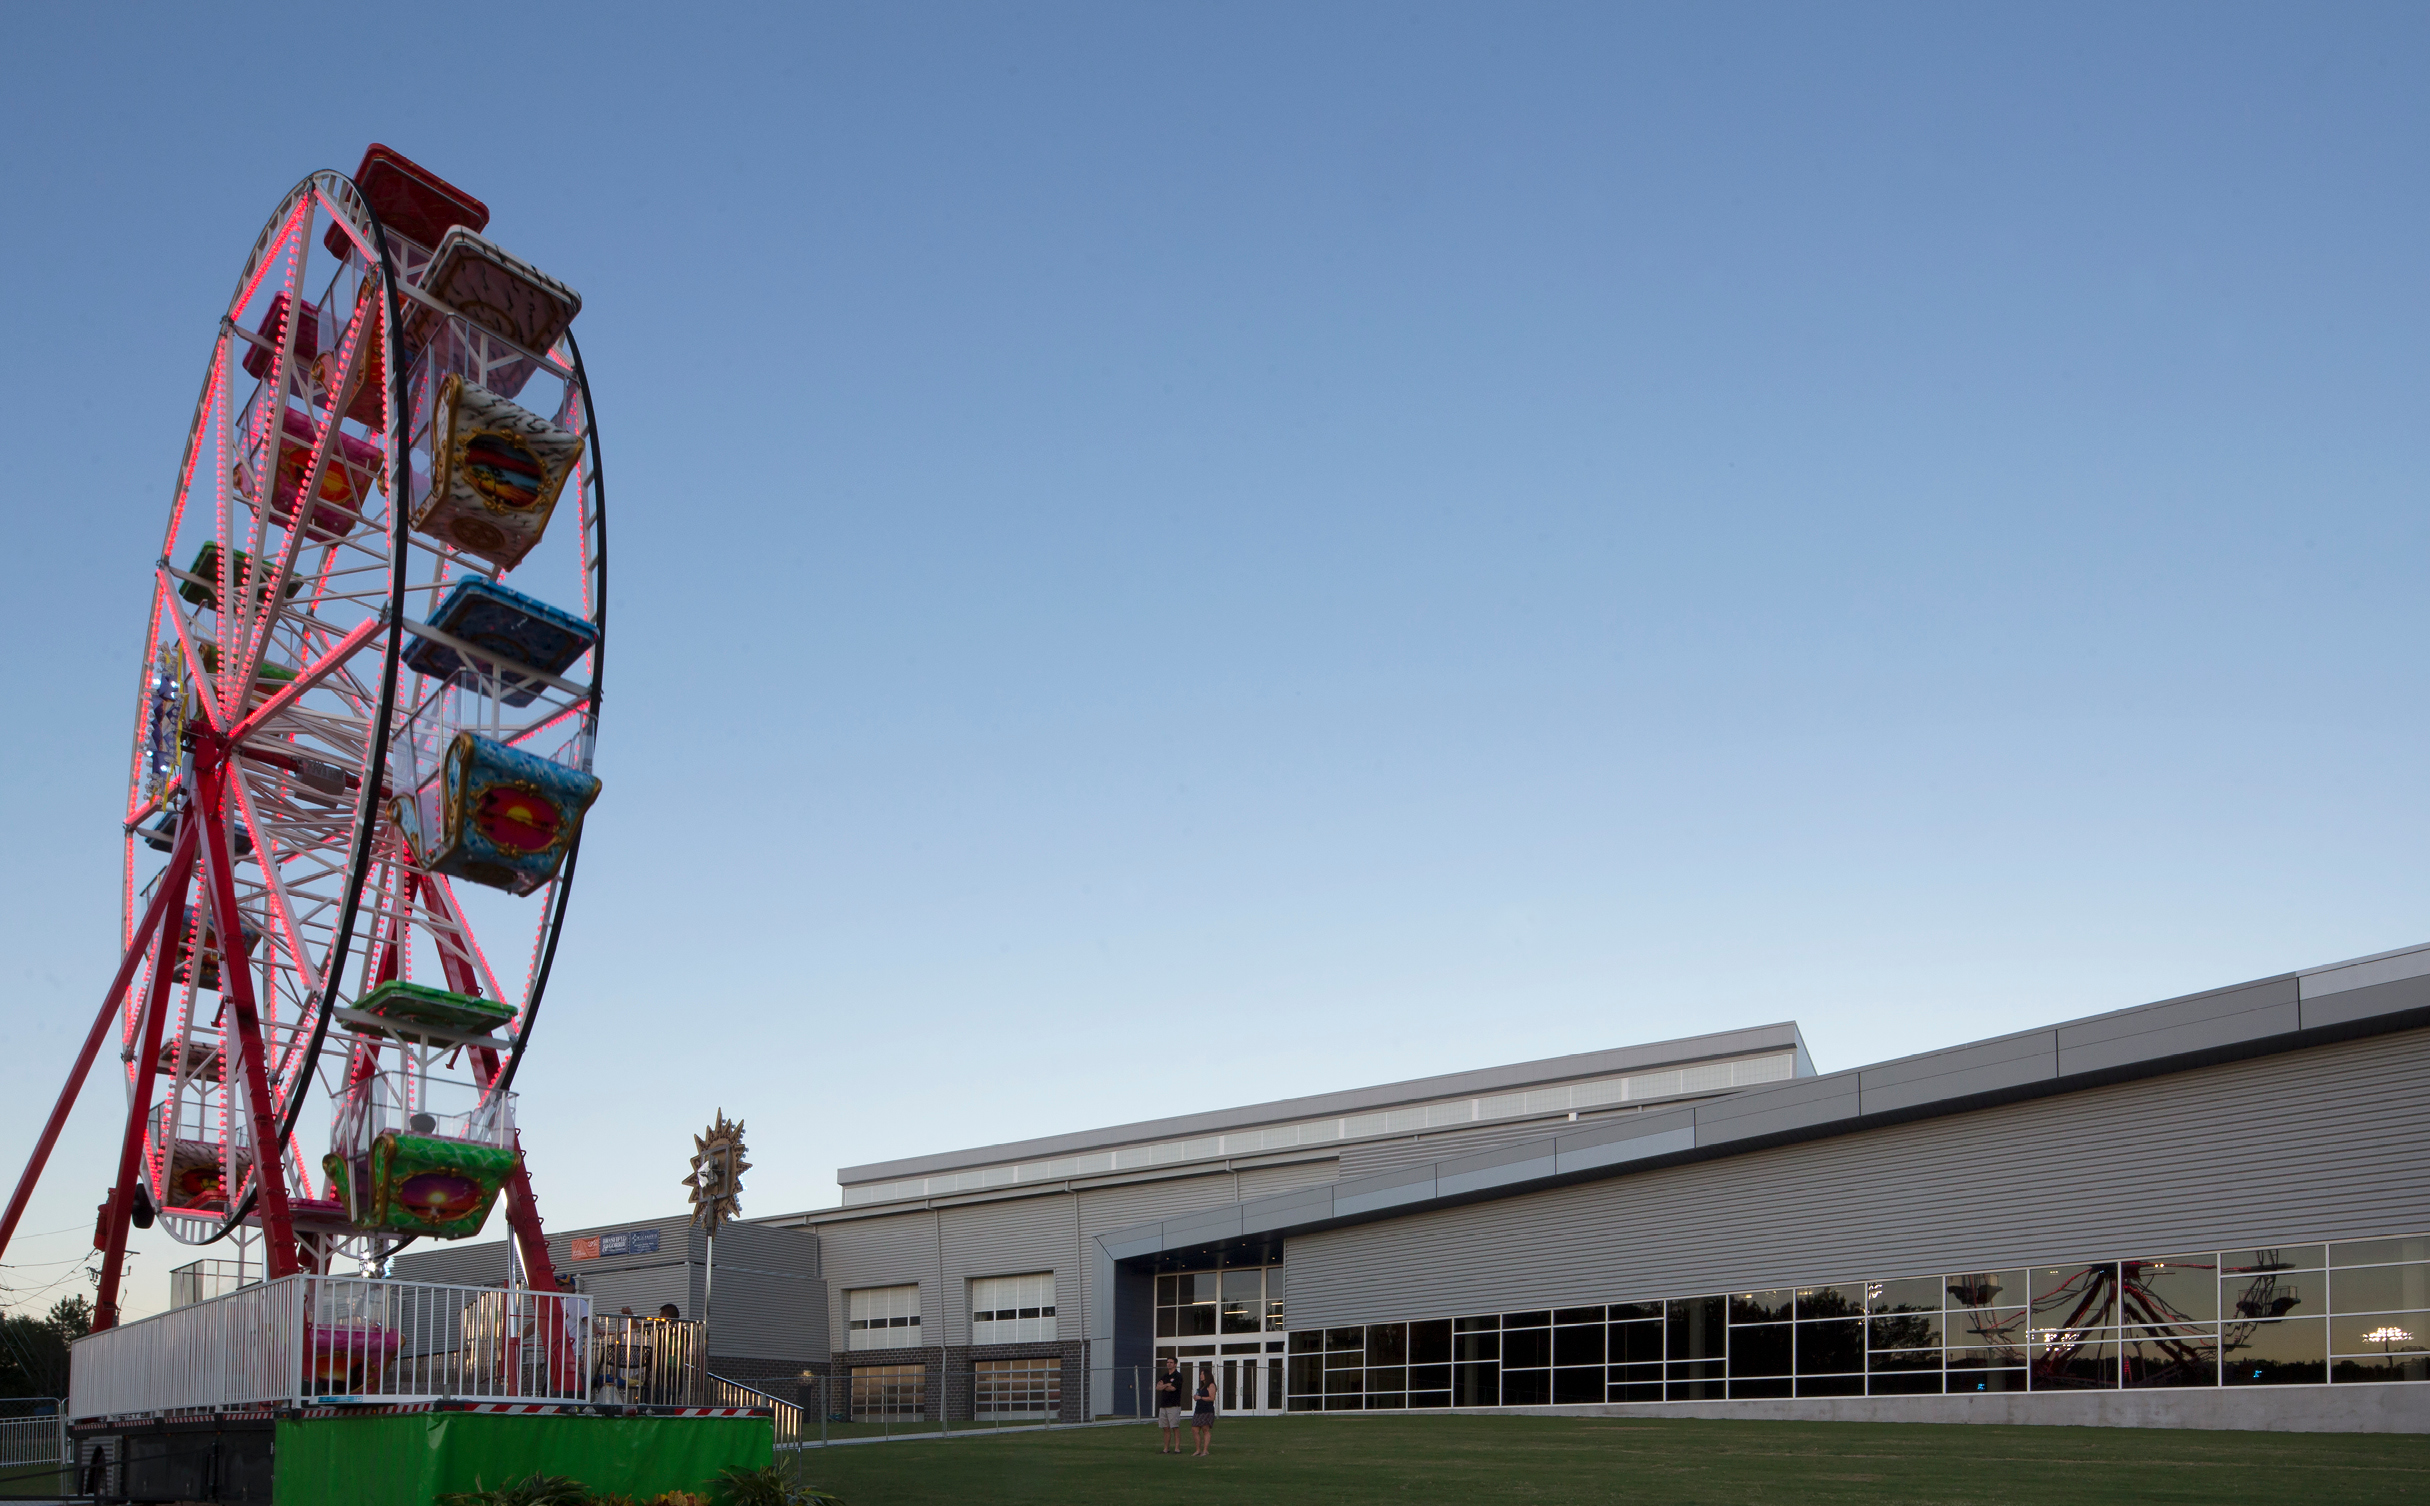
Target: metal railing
34, 1455
302, 1339
788, 1415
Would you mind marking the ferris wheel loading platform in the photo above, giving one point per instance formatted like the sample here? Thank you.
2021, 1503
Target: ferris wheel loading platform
358, 1391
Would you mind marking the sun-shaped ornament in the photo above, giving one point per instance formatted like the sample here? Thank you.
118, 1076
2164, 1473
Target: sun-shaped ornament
716, 1177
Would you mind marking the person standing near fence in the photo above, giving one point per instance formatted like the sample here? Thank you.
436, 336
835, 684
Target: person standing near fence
1202, 1414
1168, 1406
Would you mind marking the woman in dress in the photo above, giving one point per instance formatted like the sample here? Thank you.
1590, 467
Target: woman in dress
1202, 1410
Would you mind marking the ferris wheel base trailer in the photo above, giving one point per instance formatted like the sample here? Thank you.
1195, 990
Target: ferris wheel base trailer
412, 1455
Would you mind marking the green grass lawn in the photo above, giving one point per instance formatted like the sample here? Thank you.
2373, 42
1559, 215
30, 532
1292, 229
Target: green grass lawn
1467, 1460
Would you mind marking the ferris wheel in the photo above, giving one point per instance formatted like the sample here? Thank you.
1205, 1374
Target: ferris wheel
364, 724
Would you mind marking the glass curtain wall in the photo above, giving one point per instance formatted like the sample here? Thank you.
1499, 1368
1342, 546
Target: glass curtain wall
2356, 1312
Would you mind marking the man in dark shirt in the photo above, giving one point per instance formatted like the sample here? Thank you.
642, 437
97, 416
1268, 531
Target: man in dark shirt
1168, 1405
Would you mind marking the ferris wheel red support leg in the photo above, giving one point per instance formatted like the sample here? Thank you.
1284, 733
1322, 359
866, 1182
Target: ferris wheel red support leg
139, 1112
181, 867
269, 1169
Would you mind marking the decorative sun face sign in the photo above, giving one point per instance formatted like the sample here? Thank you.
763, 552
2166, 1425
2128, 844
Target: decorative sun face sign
716, 1175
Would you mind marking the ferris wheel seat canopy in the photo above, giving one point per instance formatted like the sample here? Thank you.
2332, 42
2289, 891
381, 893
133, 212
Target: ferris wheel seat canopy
502, 818
203, 590
421, 1004
494, 289
496, 472
518, 629
410, 200
307, 337
429, 1185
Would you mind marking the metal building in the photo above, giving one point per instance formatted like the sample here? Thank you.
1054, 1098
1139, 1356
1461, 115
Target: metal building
2212, 1211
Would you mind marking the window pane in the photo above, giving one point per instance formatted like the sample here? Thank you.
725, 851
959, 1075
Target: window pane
1762, 1307
2075, 1296
1476, 1385
1430, 1344
1526, 1347
2176, 1289
1538, 1319
1987, 1357
1345, 1338
2362, 1371
1168, 1291
1387, 1344
2151, 1358
2272, 1258
1920, 1294
1985, 1380
1578, 1345
2270, 1294
1987, 1289
2004, 1325
1307, 1374
1829, 1348
1635, 1342
2382, 1335
1622, 1312
1244, 1286
1475, 1325
2292, 1351
1882, 1360
1760, 1349
1563, 1315
1926, 1382
1908, 1330
1429, 1378
2379, 1251
1755, 1388
1526, 1388
2380, 1288
1573, 1387
1695, 1329
2087, 1359
1168, 1322
1307, 1338
1846, 1300
1385, 1381
1830, 1385
1476, 1346
1345, 1382
1196, 1319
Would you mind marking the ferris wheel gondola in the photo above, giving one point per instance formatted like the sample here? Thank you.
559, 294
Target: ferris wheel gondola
358, 748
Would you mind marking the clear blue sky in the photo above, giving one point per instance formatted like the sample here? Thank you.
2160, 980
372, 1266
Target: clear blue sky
1165, 556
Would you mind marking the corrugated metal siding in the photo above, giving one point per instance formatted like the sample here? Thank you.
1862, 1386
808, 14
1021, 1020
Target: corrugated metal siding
760, 1314
1007, 1239
2328, 1142
892, 1251
456, 1264
1442, 1145
1264, 1181
641, 1290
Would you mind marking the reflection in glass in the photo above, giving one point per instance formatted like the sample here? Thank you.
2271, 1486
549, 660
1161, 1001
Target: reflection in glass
1987, 1289
2173, 1289
2269, 1294
1197, 1318
1760, 1349
1843, 1301
1476, 1346
1830, 1385
1430, 1378
1384, 1382
2153, 1358
1577, 1315
2062, 1359
1987, 1357
1624, 1312
1908, 1330
1921, 1294
1470, 1325
1986, 1380
2272, 1258
2380, 1288
2380, 1334
1540, 1318
1926, 1382
1307, 1374
1881, 1360
2379, 1251
2287, 1352
1345, 1338
1831, 1348
1762, 1307
1476, 1385
1751, 1388
2004, 1325
1526, 1388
